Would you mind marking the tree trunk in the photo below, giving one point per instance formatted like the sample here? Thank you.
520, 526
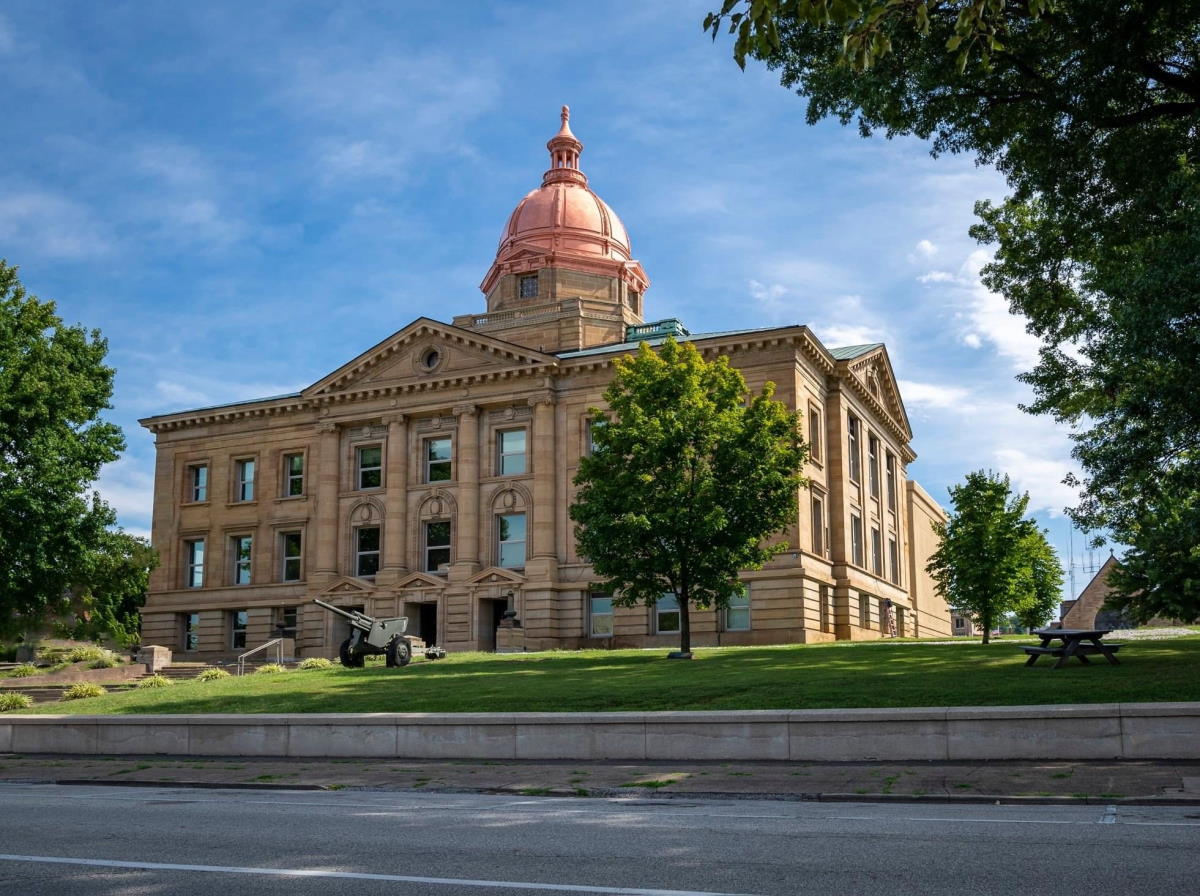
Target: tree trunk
685, 624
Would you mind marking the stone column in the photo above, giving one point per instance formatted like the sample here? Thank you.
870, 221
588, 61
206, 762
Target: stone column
466, 474
544, 510
325, 533
395, 523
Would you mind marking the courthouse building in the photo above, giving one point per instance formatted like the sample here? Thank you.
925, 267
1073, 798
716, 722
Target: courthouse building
431, 476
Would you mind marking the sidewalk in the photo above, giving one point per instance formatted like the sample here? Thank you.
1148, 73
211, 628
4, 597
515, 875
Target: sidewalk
1174, 782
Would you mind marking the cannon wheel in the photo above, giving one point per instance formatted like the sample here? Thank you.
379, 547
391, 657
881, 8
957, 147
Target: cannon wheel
349, 660
399, 653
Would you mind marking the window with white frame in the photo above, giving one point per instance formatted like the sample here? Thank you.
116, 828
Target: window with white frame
737, 614
873, 465
856, 539
528, 286
237, 628
285, 621
197, 475
291, 548
510, 452
437, 544
852, 449
293, 475
370, 466
243, 483
437, 459
194, 573
240, 550
666, 615
600, 616
511, 536
876, 552
889, 464
366, 551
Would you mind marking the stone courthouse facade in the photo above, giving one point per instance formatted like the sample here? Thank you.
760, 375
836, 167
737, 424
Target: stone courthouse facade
431, 476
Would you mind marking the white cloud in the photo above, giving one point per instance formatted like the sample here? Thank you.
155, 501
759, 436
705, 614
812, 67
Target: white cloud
972, 340
933, 395
926, 248
834, 335
41, 223
937, 277
128, 486
1042, 476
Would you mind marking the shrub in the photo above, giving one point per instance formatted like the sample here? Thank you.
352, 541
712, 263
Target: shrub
83, 690
52, 655
9, 702
105, 662
24, 671
212, 673
269, 669
315, 662
86, 654
154, 681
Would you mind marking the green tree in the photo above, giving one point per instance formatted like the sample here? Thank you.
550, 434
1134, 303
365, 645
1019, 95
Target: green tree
1091, 110
1038, 587
689, 477
53, 386
112, 588
980, 556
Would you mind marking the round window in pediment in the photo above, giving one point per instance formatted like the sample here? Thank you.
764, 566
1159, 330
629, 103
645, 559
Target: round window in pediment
429, 359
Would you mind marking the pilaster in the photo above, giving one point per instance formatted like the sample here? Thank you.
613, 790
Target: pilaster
466, 534
395, 524
326, 529
544, 488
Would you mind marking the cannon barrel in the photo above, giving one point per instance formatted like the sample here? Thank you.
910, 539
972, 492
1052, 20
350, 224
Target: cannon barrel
359, 620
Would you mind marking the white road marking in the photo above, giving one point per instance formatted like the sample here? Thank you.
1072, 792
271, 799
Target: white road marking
1110, 815
361, 875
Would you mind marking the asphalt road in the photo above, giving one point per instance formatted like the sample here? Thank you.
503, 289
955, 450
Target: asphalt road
148, 841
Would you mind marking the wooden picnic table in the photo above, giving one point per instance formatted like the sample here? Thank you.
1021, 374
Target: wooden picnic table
1078, 643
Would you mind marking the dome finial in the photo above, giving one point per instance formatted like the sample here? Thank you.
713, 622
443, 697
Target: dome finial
564, 153
566, 114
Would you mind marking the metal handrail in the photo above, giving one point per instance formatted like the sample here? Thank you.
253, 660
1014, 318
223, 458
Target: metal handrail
277, 643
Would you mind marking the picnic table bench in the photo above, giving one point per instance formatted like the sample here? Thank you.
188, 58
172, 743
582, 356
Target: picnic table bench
1078, 643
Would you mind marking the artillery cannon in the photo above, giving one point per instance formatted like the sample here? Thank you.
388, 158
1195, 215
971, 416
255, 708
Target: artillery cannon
372, 637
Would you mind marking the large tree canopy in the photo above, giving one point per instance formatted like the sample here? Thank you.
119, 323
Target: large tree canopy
1091, 109
53, 386
689, 477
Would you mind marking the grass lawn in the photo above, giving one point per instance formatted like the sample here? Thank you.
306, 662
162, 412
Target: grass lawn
884, 674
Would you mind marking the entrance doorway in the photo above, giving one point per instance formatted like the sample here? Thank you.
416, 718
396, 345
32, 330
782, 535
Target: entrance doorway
427, 624
491, 612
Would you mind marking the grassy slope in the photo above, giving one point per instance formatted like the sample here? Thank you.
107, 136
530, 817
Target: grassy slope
793, 677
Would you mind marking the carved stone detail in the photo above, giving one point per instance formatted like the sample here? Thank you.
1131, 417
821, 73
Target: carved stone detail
433, 423
505, 415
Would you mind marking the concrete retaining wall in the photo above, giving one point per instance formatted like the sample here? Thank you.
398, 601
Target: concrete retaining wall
1089, 731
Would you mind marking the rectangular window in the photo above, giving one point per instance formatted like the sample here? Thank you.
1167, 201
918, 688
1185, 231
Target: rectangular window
856, 540
240, 546
600, 614
366, 554
244, 482
873, 465
370, 466
818, 526
198, 482
190, 636
511, 551
237, 628
437, 544
194, 577
894, 561
293, 475
291, 547
285, 622
814, 433
593, 426
876, 552
510, 450
864, 610
437, 460
737, 614
855, 461
528, 286
890, 467
666, 615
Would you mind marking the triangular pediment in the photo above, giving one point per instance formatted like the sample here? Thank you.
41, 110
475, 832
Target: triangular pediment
344, 587
495, 575
427, 352
874, 373
420, 581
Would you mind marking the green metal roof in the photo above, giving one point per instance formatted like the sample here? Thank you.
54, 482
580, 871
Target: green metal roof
628, 346
849, 352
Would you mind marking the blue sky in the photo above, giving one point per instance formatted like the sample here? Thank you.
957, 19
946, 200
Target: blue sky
242, 197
